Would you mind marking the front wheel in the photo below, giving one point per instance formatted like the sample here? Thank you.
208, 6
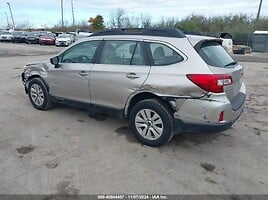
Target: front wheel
152, 122
38, 94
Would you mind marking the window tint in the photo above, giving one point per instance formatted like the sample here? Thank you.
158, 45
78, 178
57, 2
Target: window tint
81, 53
214, 54
122, 53
163, 55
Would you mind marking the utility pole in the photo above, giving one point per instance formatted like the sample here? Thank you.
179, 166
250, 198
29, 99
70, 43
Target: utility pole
62, 23
259, 11
8, 25
72, 11
11, 15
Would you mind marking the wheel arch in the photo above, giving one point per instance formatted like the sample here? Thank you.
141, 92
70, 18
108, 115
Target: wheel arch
37, 76
133, 100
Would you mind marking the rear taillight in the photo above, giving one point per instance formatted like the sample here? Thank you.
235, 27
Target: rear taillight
211, 82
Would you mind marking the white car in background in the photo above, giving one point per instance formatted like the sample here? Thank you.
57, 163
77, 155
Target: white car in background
6, 36
64, 39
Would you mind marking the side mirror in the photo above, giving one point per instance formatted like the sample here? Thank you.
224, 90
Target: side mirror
55, 61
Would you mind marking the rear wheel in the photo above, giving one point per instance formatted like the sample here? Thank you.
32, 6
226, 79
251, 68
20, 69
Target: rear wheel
38, 94
152, 122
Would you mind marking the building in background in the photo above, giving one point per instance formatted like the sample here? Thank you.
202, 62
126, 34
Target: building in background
260, 41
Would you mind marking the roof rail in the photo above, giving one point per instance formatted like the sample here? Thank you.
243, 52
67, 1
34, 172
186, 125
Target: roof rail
163, 32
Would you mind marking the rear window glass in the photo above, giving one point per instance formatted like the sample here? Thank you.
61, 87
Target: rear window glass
215, 55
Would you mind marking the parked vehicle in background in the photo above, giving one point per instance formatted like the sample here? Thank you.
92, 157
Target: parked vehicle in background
73, 33
85, 33
227, 41
160, 80
32, 37
18, 36
6, 36
79, 37
64, 39
47, 38
44, 32
58, 33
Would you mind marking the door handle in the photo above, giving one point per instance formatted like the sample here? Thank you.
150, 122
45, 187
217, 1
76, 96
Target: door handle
82, 73
132, 75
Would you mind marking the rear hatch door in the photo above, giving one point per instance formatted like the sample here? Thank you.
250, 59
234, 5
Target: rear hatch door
220, 62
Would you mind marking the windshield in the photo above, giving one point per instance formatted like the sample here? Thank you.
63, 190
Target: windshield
215, 55
18, 33
33, 34
64, 36
48, 35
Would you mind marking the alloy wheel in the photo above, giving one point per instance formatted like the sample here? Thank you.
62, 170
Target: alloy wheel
149, 124
37, 94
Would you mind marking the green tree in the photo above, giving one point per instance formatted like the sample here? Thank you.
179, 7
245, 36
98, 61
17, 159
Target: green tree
96, 23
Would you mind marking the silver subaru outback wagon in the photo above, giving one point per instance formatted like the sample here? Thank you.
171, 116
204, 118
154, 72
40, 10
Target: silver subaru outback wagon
162, 81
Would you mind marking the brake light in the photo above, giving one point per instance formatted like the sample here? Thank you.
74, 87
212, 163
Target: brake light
211, 82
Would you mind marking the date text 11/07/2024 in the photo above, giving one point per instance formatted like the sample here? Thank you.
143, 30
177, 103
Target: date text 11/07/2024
132, 196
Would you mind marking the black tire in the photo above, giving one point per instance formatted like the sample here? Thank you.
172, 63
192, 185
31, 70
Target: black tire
158, 128
38, 88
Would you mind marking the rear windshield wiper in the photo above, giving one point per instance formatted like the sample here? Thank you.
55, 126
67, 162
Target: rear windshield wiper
230, 64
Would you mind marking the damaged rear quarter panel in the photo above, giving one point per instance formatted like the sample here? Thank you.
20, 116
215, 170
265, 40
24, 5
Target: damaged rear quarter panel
171, 81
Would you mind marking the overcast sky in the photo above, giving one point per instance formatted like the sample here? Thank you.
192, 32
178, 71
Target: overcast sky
40, 13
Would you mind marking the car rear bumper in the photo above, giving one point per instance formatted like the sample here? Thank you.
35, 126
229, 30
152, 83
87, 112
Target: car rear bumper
210, 115
204, 128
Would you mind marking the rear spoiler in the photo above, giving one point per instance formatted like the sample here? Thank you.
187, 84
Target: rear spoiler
205, 41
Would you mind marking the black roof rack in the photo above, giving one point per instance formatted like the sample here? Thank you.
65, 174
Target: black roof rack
163, 32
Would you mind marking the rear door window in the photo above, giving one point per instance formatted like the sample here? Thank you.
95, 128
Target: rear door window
163, 55
215, 55
122, 53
